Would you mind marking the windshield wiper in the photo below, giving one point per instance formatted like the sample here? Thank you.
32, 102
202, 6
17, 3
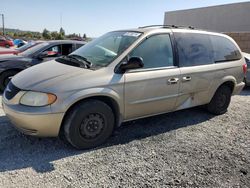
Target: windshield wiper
82, 59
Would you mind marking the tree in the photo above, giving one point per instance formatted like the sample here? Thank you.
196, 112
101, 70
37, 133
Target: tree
37, 35
46, 34
28, 35
62, 32
59, 37
84, 36
54, 34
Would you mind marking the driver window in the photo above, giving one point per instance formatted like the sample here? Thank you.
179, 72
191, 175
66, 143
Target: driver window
54, 51
156, 51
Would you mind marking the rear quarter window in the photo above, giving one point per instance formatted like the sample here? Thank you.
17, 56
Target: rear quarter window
224, 49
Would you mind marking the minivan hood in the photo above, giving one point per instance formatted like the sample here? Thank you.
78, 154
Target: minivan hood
45, 75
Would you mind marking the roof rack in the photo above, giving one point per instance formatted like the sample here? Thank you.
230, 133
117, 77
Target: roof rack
168, 26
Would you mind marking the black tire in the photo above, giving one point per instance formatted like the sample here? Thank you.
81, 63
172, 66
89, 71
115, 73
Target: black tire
220, 101
245, 81
7, 46
88, 124
5, 78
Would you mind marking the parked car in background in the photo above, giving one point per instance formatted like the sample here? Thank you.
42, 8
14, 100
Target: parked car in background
16, 51
5, 42
4, 51
247, 58
122, 76
19, 42
10, 65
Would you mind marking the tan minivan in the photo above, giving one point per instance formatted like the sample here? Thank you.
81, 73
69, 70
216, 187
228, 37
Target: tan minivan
122, 76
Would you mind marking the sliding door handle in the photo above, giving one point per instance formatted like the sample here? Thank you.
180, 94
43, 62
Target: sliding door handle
186, 78
173, 81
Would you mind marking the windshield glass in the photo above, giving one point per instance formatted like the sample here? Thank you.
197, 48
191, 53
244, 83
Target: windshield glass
34, 49
105, 49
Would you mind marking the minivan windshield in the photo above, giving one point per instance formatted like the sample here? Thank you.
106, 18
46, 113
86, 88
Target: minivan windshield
103, 50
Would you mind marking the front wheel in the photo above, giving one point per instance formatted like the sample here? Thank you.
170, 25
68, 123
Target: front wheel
88, 124
220, 100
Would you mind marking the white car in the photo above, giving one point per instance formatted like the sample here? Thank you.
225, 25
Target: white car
247, 58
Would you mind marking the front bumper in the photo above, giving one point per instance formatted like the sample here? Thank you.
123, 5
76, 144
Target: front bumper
44, 124
238, 88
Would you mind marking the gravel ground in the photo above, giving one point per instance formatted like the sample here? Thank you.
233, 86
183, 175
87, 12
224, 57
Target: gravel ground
190, 148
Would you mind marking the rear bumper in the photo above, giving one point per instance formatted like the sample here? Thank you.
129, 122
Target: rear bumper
238, 88
42, 125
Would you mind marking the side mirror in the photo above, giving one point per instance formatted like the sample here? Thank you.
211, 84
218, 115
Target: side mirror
132, 63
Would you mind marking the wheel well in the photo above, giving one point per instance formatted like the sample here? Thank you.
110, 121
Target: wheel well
107, 100
15, 69
230, 84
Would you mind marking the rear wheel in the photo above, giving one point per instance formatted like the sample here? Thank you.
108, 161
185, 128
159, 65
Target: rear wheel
7, 46
220, 100
88, 124
5, 78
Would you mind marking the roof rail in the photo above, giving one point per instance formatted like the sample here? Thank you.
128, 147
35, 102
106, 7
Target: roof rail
168, 26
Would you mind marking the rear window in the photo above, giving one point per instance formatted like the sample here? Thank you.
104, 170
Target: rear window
201, 49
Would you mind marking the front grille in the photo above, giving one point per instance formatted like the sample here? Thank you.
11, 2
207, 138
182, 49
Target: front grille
11, 91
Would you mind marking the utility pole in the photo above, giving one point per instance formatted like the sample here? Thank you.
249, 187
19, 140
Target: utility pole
3, 23
60, 20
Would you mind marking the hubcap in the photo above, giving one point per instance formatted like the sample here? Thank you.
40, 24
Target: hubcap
92, 126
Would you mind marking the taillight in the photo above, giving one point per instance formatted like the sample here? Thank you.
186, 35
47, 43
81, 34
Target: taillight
245, 68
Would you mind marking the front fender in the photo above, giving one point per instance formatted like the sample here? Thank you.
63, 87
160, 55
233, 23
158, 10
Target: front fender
94, 92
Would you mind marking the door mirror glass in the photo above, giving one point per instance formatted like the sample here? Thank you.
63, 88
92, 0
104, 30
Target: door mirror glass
132, 63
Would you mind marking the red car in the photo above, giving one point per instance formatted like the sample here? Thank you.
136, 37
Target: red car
19, 50
4, 42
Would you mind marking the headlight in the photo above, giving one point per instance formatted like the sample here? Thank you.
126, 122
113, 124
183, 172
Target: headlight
32, 98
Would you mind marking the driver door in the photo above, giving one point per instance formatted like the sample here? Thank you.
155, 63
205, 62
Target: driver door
154, 88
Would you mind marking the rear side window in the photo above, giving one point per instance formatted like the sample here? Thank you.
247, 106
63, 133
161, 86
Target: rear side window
224, 49
194, 49
201, 49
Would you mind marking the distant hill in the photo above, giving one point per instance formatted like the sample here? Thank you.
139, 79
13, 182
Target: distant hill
45, 35
17, 30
